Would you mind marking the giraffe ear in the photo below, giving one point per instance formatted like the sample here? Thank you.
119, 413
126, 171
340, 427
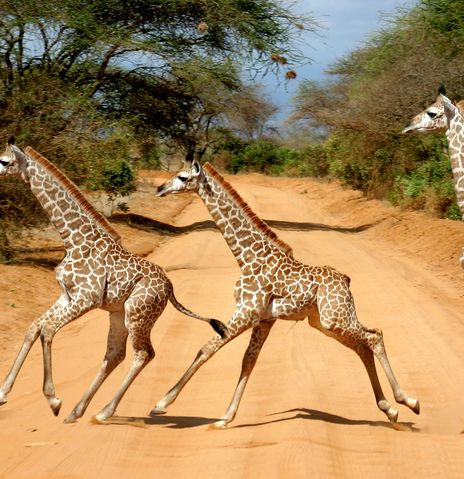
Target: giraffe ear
450, 109
196, 168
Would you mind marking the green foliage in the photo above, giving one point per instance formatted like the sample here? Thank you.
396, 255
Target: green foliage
118, 178
260, 156
96, 85
265, 157
445, 20
311, 161
268, 157
429, 186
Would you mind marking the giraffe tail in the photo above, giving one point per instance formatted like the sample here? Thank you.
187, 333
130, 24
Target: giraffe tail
217, 325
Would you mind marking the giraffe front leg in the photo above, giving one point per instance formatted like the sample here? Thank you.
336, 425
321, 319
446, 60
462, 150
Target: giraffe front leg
203, 355
243, 318
69, 312
48, 385
258, 337
31, 336
206, 352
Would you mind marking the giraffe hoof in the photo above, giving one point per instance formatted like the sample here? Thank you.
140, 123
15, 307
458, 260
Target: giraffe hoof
55, 405
392, 415
217, 425
158, 411
70, 419
416, 408
3, 400
98, 419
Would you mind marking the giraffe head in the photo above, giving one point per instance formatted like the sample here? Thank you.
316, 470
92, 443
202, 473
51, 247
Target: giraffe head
9, 164
186, 180
436, 118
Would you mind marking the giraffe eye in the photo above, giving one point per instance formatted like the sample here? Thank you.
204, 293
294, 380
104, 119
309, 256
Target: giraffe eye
431, 114
4, 162
183, 178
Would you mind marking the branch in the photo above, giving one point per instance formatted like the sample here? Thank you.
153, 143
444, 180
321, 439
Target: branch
103, 66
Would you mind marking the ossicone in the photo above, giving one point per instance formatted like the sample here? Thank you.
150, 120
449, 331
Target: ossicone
442, 89
11, 140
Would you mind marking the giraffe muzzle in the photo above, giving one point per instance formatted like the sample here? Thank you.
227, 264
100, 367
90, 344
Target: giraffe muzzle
409, 129
160, 191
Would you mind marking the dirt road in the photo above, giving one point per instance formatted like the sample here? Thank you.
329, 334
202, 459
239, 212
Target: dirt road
308, 410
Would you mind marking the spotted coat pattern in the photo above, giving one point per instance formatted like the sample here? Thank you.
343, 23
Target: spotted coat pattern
96, 272
444, 117
274, 285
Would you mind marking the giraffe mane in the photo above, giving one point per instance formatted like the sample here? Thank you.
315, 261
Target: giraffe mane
255, 220
460, 105
74, 192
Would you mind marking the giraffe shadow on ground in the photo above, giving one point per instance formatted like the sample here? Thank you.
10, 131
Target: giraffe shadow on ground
36, 256
186, 422
315, 415
171, 422
148, 224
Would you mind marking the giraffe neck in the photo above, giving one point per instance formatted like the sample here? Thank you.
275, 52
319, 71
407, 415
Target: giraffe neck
73, 217
455, 135
248, 237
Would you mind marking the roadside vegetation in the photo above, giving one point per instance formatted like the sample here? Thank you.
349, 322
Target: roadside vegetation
349, 127
375, 91
105, 87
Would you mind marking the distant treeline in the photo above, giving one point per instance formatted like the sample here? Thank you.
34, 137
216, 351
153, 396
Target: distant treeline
373, 94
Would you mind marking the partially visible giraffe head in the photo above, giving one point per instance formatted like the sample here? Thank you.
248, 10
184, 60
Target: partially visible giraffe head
186, 180
436, 118
9, 165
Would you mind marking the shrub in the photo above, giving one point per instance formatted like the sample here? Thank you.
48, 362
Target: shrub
262, 156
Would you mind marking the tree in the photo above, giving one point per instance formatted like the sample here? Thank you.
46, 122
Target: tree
375, 90
249, 113
91, 82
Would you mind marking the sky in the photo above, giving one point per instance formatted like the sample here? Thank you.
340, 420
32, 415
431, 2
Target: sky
346, 23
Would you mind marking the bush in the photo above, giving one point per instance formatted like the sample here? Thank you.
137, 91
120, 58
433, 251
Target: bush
118, 178
262, 156
429, 186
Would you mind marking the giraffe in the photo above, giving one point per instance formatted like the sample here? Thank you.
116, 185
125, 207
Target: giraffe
96, 272
444, 117
274, 285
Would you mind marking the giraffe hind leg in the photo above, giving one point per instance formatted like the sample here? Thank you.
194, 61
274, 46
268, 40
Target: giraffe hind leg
378, 347
115, 354
367, 343
141, 313
143, 354
367, 357
258, 337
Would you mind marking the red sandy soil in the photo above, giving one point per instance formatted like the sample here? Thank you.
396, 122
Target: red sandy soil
308, 410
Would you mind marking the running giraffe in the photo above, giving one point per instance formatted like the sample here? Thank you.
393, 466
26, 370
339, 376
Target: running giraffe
274, 285
96, 272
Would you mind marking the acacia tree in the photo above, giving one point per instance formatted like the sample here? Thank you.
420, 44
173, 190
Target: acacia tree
87, 83
249, 113
63, 59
